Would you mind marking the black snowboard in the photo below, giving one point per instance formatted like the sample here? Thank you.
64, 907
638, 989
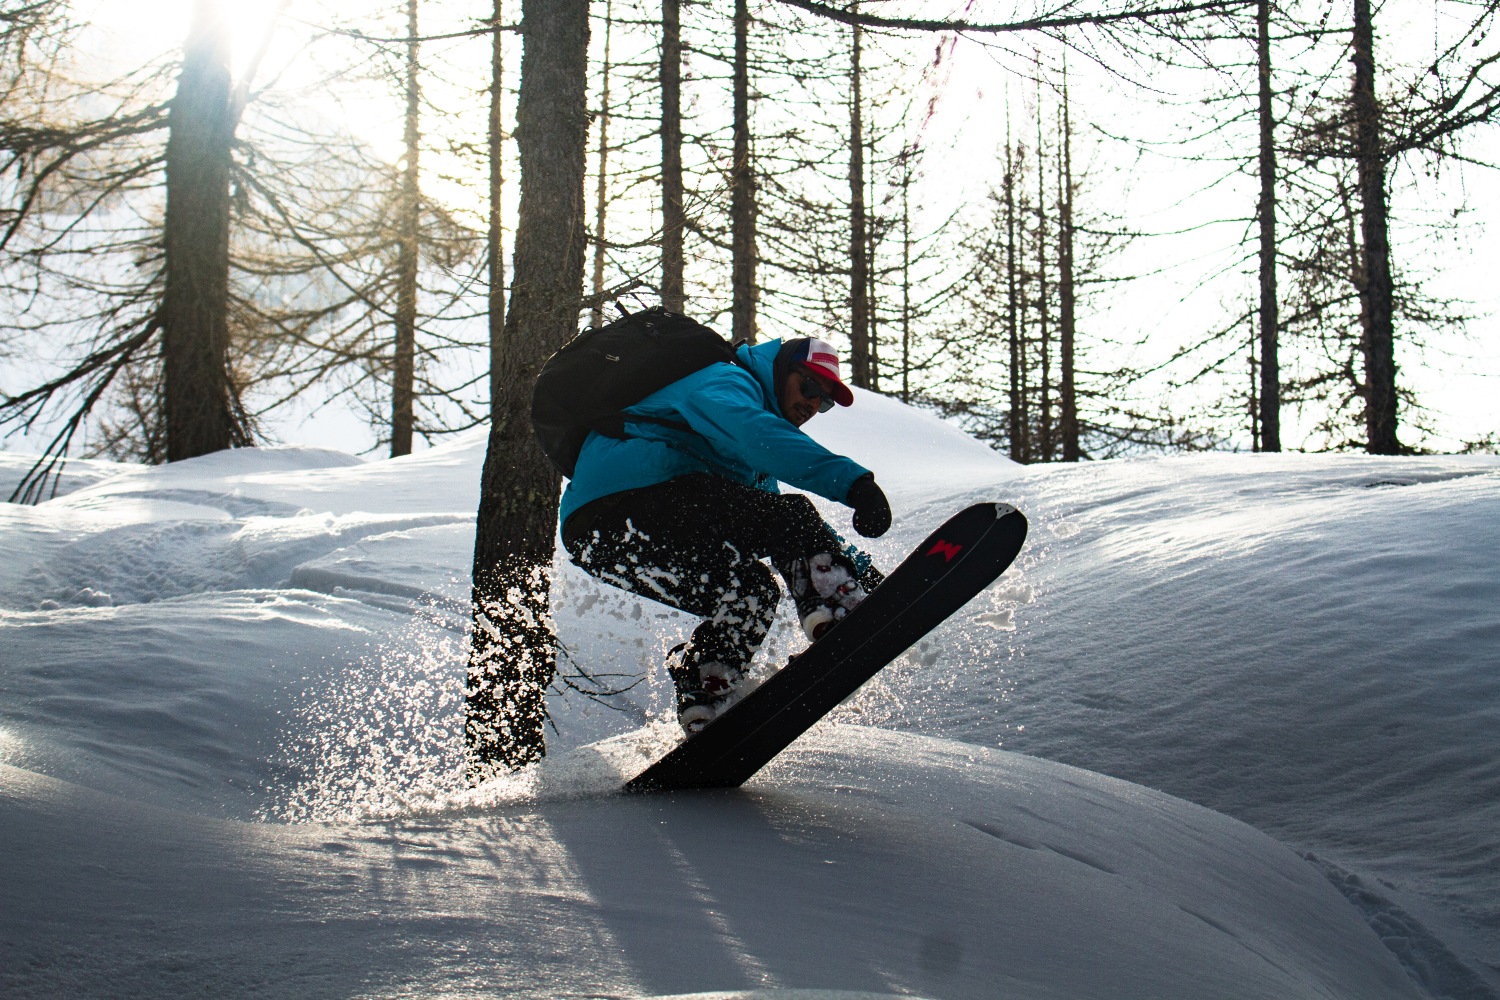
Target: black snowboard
953, 564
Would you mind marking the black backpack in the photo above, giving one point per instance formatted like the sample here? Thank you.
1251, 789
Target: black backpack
585, 385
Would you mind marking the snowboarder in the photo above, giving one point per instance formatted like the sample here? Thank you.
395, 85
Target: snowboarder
684, 517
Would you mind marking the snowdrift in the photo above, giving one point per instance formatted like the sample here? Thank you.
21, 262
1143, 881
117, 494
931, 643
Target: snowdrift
230, 725
864, 861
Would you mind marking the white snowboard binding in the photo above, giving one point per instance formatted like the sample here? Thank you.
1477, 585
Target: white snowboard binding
827, 592
703, 691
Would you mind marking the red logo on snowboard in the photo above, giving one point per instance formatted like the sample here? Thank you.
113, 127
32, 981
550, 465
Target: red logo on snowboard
945, 549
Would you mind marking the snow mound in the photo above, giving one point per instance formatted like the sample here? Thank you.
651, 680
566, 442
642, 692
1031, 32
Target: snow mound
421, 563
73, 474
233, 709
784, 995
221, 467
907, 449
862, 861
1304, 642
289, 479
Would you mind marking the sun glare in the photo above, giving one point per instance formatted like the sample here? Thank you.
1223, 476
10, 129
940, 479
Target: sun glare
251, 24
158, 26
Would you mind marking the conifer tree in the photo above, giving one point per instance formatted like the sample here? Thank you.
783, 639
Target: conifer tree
1376, 289
206, 266
409, 207
1067, 319
601, 188
512, 656
744, 291
1267, 436
861, 370
495, 155
200, 413
674, 221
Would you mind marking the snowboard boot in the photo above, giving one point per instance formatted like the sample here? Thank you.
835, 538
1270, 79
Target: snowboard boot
825, 588
696, 709
703, 689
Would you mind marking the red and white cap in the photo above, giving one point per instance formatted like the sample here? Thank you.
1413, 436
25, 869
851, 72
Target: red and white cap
820, 357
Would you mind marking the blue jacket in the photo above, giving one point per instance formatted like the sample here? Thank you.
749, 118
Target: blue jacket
738, 433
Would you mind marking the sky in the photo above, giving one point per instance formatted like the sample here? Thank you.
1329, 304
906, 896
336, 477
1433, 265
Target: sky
1172, 302
1162, 191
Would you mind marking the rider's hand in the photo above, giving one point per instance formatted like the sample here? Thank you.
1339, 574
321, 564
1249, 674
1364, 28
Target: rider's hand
872, 512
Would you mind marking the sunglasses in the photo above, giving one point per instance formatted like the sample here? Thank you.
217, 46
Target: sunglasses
812, 390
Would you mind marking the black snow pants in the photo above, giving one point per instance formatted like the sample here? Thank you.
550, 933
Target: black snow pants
696, 544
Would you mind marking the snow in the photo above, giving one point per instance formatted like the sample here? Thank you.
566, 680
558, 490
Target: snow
71, 474
1227, 729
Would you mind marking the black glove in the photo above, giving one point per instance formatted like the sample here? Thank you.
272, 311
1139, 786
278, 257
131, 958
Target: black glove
872, 512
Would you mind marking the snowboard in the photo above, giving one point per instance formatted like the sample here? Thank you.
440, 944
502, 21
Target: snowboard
950, 567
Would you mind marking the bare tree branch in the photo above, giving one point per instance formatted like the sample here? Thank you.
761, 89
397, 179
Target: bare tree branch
1030, 24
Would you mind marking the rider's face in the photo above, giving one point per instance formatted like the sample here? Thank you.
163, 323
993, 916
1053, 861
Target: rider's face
804, 395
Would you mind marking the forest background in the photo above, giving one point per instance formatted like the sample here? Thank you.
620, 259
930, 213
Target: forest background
1147, 132
1081, 231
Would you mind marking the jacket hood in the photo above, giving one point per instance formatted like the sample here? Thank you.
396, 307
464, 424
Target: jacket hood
760, 359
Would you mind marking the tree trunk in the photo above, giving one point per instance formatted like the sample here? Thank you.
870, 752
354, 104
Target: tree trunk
1043, 303
1022, 357
1256, 437
198, 399
742, 202
403, 370
1377, 294
906, 276
1012, 315
673, 216
601, 201
859, 319
872, 297
511, 660
1066, 293
1270, 367
497, 191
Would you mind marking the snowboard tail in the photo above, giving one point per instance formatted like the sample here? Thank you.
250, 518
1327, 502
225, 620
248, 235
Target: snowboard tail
949, 568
